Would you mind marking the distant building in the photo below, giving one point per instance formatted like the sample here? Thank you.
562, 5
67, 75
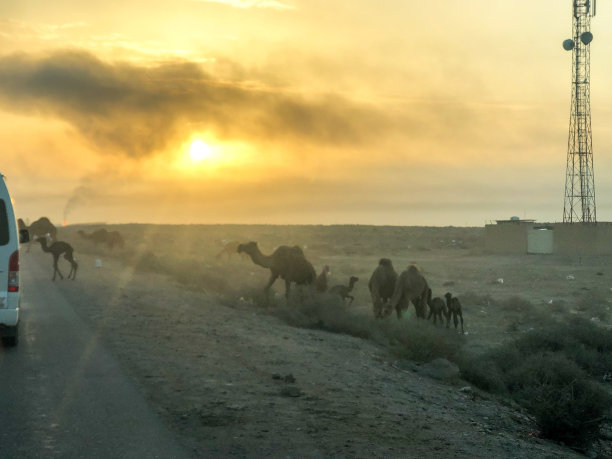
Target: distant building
516, 236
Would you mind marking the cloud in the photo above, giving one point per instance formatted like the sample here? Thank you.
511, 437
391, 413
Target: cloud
137, 110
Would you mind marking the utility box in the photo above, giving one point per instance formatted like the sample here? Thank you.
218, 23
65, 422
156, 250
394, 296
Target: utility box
540, 239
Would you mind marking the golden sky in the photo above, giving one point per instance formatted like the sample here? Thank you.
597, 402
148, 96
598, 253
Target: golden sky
305, 111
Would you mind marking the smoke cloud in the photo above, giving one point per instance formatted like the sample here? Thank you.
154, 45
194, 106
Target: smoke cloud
80, 196
123, 108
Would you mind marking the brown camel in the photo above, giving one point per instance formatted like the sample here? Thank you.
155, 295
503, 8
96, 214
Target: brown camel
39, 228
103, 236
411, 286
382, 285
437, 308
454, 308
98, 236
288, 263
321, 281
56, 249
113, 239
344, 290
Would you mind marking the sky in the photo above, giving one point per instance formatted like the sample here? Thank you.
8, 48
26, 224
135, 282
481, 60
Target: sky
386, 112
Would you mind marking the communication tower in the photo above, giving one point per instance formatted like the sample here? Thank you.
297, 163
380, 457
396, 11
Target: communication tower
579, 205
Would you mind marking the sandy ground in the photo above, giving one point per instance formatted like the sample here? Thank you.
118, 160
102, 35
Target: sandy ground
233, 381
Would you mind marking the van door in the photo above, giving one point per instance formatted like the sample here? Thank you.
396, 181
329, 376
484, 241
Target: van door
6, 249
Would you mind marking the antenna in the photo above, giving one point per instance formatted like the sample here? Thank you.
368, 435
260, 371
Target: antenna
579, 201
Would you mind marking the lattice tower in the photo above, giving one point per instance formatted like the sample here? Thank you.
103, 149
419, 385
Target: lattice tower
579, 205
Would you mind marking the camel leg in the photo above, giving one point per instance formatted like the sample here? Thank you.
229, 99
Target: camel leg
431, 311
273, 277
56, 268
455, 320
73, 269
377, 310
418, 307
351, 298
287, 288
461, 317
377, 305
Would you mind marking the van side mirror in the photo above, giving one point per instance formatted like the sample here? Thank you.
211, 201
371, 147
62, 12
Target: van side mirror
24, 236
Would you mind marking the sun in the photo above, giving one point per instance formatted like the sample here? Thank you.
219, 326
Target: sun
199, 150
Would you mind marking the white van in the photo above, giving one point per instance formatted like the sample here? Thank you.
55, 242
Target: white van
9, 268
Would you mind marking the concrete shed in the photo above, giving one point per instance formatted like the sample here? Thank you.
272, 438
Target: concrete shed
527, 236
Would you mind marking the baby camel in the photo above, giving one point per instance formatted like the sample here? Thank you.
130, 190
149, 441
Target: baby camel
437, 308
321, 280
344, 290
56, 249
454, 307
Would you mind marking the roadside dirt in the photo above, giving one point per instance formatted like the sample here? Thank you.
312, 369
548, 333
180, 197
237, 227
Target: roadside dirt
233, 381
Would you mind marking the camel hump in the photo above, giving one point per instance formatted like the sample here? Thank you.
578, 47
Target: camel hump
385, 262
413, 279
286, 251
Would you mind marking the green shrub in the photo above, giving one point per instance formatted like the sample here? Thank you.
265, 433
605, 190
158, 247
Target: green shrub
483, 373
408, 338
550, 371
588, 345
566, 404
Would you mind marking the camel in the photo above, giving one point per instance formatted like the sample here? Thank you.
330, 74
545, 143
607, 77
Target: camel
113, 239
288, 263
381, 285
321, 281
344, 290
454, 308
437, 308
411, 286
56, 249
103, 236
39, 228
97, 237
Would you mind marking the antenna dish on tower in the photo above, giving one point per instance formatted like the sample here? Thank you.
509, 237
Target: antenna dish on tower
568, 44
586, 38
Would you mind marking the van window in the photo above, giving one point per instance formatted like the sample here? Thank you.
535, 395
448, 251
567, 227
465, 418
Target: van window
4, 224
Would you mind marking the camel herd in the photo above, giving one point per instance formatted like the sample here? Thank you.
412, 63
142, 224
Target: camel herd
388, 290
45, 233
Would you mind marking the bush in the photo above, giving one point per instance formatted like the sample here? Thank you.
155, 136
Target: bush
408, 338
483, 373
586, 344
549, 371
566, 404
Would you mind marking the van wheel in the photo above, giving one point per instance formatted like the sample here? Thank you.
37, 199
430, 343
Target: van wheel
11, 341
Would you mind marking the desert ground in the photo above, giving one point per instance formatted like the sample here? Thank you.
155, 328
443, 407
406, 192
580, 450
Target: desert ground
237, 375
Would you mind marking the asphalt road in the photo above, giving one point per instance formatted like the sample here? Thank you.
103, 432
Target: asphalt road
63, 395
